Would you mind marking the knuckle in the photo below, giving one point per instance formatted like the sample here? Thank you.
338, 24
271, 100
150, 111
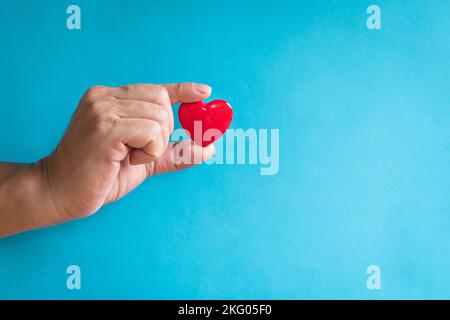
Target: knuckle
126, 88
100, 119
161, 92
94, 92
163, 114
188, 87
99, 107
156, 130
179, 87
102, 126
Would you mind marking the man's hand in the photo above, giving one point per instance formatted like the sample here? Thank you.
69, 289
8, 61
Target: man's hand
117, 138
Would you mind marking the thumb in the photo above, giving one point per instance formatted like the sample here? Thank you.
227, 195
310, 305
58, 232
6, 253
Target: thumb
187, 92
182, 155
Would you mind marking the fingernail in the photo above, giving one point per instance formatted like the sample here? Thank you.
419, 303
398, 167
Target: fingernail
202, 88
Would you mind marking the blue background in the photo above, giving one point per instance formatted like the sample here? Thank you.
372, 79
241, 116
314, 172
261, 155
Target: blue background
364, 125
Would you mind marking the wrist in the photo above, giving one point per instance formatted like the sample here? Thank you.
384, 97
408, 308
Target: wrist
47, 192
25, 199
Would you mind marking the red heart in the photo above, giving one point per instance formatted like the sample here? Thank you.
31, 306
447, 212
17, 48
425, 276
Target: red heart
198, 117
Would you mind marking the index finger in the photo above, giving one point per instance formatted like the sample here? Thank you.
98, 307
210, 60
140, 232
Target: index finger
144, 92
187, 92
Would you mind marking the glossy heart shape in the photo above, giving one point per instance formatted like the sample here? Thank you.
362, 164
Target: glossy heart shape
205, 122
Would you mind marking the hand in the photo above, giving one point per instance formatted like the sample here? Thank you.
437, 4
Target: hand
117, 138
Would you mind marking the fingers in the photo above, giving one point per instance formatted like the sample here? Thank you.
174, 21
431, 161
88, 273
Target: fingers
162, 95
142, 117
165, 94
152, 93
140, 110
144, 135
187, 92
146, 110
182, 155
145, 92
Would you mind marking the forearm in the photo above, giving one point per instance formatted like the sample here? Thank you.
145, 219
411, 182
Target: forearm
25, 200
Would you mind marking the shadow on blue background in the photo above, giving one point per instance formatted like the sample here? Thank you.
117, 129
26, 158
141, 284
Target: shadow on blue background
364, 149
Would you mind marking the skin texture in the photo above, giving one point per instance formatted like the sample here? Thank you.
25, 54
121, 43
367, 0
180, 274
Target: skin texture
117, 138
